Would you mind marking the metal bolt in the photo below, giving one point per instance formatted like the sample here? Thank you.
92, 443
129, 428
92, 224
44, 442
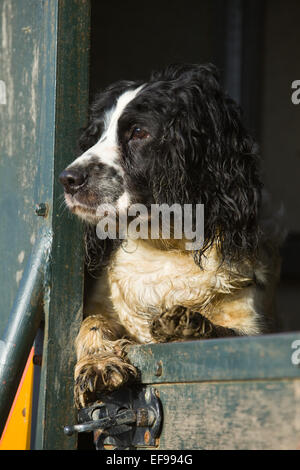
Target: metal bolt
37, 360
158, 371
142, 417
145, 417
147, 437
148, 395
41, 209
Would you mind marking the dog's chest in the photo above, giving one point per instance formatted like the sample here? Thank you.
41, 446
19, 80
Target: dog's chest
144, 281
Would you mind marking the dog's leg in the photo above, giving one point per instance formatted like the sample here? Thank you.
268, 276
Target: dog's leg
182, 323
101, 359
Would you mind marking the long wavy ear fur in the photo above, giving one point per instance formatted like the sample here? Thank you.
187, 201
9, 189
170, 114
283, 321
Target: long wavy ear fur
208, 143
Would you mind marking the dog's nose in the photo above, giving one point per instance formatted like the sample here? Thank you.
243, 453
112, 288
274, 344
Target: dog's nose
72, 180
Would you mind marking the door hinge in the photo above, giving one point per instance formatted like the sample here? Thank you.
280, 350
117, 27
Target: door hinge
125, 419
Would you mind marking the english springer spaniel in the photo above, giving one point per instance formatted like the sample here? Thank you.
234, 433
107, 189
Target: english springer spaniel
176, 139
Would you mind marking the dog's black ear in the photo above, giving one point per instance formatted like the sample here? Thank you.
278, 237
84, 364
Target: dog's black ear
215, 162
231, 185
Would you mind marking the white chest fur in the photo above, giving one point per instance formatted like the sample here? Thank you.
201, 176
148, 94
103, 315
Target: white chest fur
145, 280
142, 281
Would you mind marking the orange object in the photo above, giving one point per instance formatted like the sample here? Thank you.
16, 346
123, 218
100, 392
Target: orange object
16, 434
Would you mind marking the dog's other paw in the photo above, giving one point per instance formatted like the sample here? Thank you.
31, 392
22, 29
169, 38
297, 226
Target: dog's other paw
100, 373
180, 323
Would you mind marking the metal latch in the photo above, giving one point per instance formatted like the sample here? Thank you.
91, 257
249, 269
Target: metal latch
126, 418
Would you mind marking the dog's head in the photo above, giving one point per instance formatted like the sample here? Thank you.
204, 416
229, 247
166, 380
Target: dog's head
175, 139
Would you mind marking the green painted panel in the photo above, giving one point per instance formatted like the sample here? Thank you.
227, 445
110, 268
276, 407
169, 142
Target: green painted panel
63, 306
261, 357
27, 105
43, 104
231, 416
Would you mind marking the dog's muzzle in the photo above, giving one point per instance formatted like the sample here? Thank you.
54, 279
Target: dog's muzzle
73, 180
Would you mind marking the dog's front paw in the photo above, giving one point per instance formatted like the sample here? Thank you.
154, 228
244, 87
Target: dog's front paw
99, 373
180, 323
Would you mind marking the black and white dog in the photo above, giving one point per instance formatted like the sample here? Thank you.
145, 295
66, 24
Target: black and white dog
175, 139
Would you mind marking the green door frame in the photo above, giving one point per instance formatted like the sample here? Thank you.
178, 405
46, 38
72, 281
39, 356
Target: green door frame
45, 68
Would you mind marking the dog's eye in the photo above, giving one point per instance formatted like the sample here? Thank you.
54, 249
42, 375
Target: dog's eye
138, 134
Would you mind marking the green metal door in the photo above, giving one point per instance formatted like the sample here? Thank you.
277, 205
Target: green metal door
43, 103
226, 394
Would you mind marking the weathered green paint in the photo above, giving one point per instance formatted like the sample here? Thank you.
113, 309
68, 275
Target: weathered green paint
44, 64
64, 304
22, 324
25, 69
232, 393
231, 416
261, 357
